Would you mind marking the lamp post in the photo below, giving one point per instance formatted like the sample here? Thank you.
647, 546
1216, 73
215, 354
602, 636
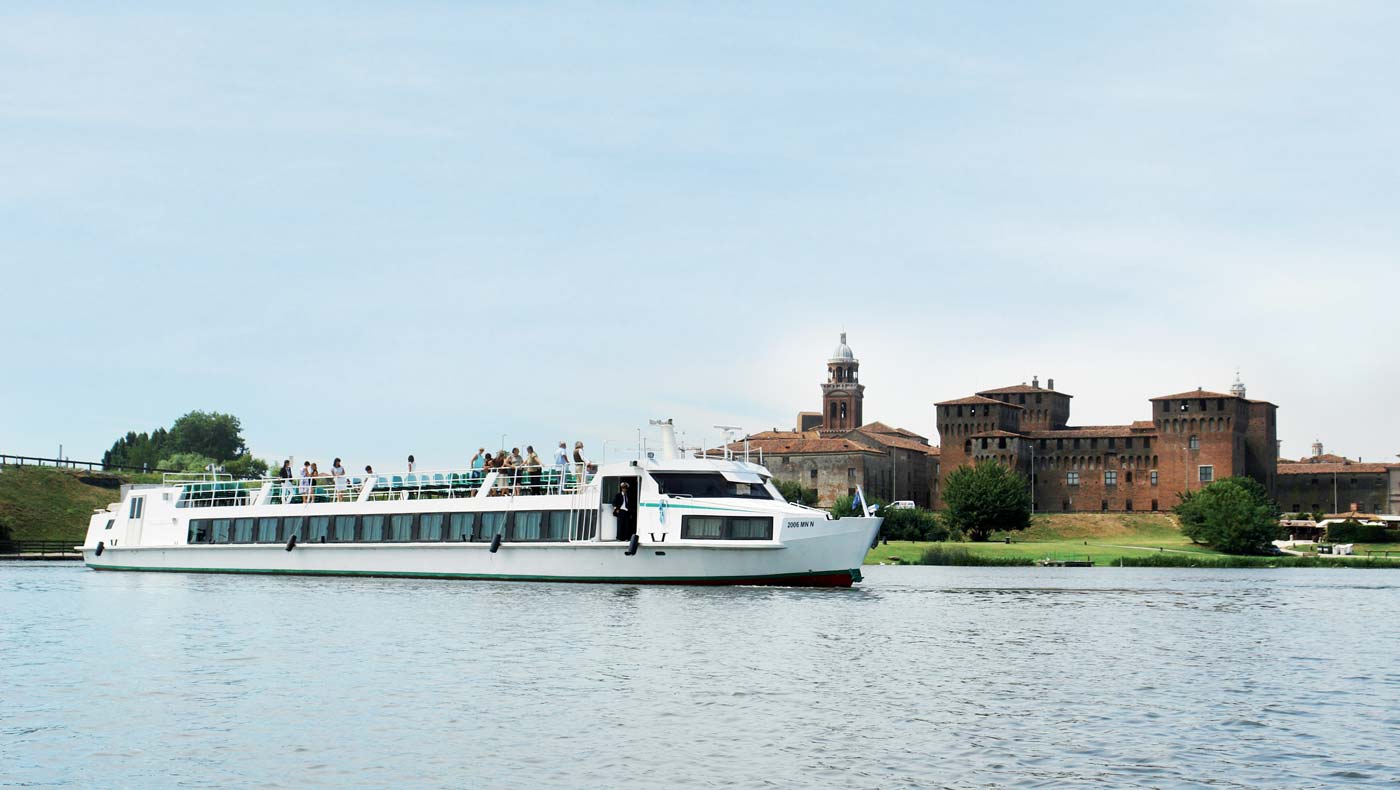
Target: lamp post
1031, 443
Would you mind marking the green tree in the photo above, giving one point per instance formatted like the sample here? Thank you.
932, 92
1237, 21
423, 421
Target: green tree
1233, 515
794, 492
218, 436
984, 498
912, 524
246, 467
186, 462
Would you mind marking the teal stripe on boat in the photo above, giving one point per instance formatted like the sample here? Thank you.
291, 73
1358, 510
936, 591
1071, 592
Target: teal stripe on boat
854, 573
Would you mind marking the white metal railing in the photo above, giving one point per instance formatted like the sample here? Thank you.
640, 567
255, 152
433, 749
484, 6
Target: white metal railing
209, 490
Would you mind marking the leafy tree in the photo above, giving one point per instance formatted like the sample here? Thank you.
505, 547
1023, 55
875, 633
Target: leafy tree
913, 524
246, 467
187, 462
794, 492
218, 436
1233, 515
987, 497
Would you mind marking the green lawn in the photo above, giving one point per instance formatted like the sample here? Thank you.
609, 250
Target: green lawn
43, 503
1100, 538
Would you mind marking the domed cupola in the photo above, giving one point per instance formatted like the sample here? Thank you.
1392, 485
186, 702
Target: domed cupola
842, 393
843, 352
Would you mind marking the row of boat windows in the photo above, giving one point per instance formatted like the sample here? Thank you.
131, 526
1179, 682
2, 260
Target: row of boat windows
522, 525
515, 526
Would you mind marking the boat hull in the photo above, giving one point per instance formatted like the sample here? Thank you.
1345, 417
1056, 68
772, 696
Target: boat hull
831, 559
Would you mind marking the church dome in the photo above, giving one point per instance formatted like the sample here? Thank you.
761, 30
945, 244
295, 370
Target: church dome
843, 352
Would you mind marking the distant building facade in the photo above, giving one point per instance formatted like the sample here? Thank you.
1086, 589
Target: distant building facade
1192, 439
834, 451
1332, 484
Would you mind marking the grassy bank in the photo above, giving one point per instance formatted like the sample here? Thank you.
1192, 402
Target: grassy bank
1130, 540
43, 503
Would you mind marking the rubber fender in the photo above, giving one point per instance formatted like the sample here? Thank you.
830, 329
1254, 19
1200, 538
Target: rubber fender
496, 543
99, 549
291, 542
632, 545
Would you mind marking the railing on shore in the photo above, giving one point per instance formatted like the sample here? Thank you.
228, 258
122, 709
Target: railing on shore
219, 490
39, 550
64, 463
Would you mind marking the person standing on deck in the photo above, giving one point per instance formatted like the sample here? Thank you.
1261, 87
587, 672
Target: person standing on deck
305, 482
625, 509
478, 462
580, 462
287, 485
561, 463
410, 463
341, 481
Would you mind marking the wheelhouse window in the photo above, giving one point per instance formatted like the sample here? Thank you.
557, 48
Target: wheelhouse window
709, 485
726, 528
138, 505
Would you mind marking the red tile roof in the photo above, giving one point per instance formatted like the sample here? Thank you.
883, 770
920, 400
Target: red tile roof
1143, 425
1351, 468
1019, 389
977, 400
1087, 431
1198, 393
893, 440
880, 427
997, 434
805, 446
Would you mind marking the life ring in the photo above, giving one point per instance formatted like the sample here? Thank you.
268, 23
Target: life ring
98, 553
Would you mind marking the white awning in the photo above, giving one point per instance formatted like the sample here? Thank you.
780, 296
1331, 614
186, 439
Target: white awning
743, 477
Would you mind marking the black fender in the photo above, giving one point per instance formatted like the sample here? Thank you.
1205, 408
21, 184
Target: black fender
496, 543
291, 542
98, 553
632, 546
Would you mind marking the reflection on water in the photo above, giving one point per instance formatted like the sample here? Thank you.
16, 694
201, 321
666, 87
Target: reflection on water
957, 677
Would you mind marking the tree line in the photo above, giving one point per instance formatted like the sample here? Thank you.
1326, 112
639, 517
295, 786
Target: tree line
196, 442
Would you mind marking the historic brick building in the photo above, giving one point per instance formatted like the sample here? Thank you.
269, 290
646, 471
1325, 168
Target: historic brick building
1332, 484
835, 450
1191, 439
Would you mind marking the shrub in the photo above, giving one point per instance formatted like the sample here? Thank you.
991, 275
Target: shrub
955, 555
1352, 531
1233, 515
985, 498
793, 491
912, 524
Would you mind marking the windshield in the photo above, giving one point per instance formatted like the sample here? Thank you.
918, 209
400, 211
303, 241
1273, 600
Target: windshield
707, 484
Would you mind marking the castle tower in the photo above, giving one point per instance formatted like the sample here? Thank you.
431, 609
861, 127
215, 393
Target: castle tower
842, 393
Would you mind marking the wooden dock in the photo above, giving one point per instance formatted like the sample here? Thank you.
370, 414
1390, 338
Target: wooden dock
49, 550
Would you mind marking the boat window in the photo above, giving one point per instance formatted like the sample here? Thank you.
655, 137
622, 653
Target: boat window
491, 525
459, 526
220, 530
110, 522
267, 530
557, 527
137, 504
400, 527
430, 526
199, 531
242, 530
344, 529
372, 528
526, 525
711, 485
319, 529
726, 528
293, 525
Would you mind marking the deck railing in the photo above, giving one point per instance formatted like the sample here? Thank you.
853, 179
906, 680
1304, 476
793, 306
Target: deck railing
216, 490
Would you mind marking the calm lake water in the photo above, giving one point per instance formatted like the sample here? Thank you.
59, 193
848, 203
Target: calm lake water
921, 677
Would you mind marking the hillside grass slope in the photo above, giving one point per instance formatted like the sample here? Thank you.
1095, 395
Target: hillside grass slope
43, 503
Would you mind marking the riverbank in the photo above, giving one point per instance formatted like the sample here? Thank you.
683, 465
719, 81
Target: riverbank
44, 503
1141, 540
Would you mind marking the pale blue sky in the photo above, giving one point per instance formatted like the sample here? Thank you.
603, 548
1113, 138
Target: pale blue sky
374, 229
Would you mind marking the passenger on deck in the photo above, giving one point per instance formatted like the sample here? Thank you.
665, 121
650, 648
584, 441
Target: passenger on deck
370, 479
532, 469
287, 485
517, 470
479, 462
625, 509
580, 462
341, 481
410, 463
305, 482
315, 480
561, 462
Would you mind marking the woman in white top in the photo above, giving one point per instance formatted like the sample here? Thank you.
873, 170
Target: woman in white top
341, 481
305, 482
410, 463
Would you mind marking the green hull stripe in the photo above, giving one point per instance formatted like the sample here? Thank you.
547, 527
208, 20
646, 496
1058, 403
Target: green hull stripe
853, 572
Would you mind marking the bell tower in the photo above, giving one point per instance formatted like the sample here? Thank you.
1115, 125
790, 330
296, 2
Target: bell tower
842, 393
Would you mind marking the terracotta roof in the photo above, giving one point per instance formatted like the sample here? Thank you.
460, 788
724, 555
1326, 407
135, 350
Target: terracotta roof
995, 434
1085, 431
1143, 425
806, 446
1019, 389
781, 435
894, 440
880, 427
1198, 393
1327, 469
977, 400
1325, 458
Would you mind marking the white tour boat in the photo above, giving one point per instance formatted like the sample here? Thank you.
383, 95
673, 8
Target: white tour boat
698, 520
